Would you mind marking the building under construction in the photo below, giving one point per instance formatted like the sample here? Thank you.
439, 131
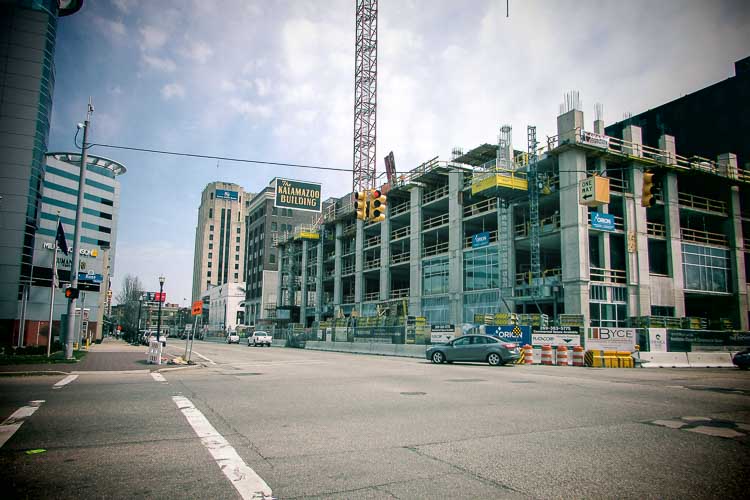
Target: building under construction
498, 231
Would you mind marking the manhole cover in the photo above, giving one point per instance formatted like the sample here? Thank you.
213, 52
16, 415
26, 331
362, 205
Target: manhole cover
413, 393
466, 380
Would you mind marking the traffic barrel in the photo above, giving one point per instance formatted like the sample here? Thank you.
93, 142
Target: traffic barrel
547, 355
528, 355
578, 356
562, 355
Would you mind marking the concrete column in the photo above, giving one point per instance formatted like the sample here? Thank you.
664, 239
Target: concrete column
415, 253
279, 286
636, 243
319, 277
727, 163
385, 257
633, 134
359, 261
337, 289
737, 256
599, 127
667, 144
573, 221
670, 190
303, 287
455, 246
569, 126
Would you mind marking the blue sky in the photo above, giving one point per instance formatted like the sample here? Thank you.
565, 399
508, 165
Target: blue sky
273, 80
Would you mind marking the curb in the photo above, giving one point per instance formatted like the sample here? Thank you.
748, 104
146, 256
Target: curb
33, 373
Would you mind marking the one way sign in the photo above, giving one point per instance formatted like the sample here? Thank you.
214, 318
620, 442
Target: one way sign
594, 191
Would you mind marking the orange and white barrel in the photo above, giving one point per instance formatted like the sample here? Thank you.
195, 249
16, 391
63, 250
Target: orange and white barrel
528, 355
562, 355
578, 356
547, 355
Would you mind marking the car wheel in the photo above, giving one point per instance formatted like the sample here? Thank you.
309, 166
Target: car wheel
438, 357
494, 359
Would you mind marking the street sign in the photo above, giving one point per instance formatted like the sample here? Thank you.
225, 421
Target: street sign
197, 308
594, 191
297, 195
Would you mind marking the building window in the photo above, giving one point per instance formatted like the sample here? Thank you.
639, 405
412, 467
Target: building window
211, 196
236, 266
236, 276
274, 226
435, 276
211, 227
272, 259
210, 264
274, 211
210, 246
608, 305
210, 237
662, 311
238, 239
706, 268
237, 248
210, 213
238, 230
208, 274
210, 255
481, 269
236, 257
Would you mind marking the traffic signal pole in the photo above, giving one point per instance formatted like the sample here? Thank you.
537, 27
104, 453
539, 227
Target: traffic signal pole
77, 239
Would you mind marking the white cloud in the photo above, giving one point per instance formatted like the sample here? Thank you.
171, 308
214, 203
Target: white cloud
152, 38
172, 90
199, 52
114, 30
160, 63
262, 86
247, 108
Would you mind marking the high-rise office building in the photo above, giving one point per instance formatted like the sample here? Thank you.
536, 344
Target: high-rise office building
219, 237
27, 77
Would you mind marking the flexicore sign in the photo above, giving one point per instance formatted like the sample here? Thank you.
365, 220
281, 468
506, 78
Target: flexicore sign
297, 195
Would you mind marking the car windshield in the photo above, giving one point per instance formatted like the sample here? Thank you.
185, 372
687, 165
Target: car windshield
261, 334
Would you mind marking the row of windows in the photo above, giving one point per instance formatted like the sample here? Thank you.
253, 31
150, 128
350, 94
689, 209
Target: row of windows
89, 182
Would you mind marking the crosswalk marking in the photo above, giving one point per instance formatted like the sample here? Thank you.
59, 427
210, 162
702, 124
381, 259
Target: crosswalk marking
14, 422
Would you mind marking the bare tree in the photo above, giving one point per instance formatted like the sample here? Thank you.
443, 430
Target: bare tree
129, 297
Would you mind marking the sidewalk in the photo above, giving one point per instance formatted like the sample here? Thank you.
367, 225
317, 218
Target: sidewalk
110, 355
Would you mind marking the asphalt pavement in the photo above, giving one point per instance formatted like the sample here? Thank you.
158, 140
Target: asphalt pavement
312, 424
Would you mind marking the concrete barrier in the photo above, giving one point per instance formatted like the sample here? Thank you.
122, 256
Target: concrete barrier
376, 348
664, 360
710, 359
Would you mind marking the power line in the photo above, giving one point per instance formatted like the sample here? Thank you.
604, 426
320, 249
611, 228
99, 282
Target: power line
224, 158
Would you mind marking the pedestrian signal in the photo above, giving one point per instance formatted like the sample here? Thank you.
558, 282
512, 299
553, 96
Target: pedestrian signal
71, 293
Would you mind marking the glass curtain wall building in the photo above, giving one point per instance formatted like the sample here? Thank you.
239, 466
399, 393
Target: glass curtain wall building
28, 31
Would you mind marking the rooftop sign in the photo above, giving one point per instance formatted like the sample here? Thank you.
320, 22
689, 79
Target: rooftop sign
297, 195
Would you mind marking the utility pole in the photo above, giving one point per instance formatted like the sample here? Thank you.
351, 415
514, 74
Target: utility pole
77, 235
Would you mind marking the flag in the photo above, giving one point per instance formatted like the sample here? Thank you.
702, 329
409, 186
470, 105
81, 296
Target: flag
60, 238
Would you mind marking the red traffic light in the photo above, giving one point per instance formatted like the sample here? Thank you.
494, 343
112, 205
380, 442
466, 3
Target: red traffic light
71, 293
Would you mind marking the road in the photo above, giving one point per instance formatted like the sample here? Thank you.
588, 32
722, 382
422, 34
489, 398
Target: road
310, 424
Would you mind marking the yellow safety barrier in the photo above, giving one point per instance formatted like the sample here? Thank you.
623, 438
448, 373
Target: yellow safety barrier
624, 359
610, 359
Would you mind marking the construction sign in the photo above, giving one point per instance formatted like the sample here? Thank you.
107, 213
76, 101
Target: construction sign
197, 308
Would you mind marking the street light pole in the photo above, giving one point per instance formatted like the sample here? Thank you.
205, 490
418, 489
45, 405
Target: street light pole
77, 237
161, 299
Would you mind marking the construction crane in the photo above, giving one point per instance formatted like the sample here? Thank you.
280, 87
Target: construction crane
365, 95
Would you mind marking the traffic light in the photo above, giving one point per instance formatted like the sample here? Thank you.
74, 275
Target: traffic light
377, 206
71, 293
360, 204
651, 182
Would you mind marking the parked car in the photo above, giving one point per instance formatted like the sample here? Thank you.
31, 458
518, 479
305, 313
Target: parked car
474, 348
742, 359
259, 338
233, 338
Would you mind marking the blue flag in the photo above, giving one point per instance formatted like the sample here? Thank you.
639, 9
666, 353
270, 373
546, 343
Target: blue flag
60, 238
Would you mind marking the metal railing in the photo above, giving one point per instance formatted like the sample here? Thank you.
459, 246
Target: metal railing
524, 278
372, 241
602, 275
348, 299
434, 222
401, 232
398, 258
400, 208
619, 185
435, 249
400, 293
656, 229
546, 224
435, 194
706, 237
372, 296
701, 203
346, 270
483, 206
372, 264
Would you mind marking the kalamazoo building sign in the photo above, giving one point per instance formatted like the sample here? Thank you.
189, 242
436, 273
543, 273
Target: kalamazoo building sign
297, 195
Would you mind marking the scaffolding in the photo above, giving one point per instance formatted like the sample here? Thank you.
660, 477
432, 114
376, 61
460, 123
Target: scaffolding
533, 183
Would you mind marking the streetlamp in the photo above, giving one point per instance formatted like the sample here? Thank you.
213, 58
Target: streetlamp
161, 299
138, 329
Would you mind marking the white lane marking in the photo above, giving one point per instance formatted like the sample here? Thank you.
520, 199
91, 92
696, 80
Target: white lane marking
244, 479
158, 377
204, 357
65, 381
14, 422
